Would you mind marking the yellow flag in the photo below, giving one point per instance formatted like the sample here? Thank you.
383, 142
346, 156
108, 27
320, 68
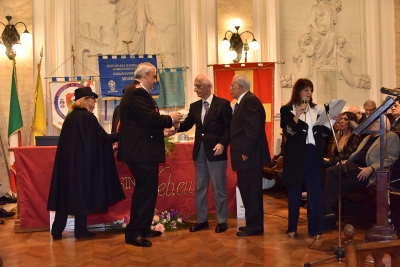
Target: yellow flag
39, 116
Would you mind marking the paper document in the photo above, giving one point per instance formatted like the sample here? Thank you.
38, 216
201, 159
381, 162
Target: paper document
335, 108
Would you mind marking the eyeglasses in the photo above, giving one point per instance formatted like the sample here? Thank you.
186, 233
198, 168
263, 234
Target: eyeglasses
233, 84
91, 97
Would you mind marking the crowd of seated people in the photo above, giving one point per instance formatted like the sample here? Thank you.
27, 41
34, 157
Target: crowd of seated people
359, 169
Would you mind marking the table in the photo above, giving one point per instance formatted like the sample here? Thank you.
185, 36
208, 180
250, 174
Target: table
176, 188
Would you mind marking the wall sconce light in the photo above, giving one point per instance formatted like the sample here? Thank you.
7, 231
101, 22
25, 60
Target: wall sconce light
236, 44
10, 40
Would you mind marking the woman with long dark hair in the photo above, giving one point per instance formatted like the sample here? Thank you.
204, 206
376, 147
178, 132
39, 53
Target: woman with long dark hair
347, 140
303, 159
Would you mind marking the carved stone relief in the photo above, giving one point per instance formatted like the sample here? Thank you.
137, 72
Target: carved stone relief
142, 26
323, 46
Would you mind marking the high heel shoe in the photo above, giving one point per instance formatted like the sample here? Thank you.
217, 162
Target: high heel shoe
291, 234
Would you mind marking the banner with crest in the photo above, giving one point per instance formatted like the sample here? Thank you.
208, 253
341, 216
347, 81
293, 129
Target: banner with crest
116, 71
62, 96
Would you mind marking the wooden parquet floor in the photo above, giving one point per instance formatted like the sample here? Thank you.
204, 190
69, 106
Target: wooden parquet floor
178, 248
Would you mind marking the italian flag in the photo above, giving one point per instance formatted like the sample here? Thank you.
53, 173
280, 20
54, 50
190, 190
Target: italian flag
261, 76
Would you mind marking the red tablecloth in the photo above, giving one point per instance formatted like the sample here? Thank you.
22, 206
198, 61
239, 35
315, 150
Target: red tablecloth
177, 185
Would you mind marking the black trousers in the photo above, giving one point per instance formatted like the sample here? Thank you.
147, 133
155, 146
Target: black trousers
143, 199
350, 183
250, 187
313, 182
60, 221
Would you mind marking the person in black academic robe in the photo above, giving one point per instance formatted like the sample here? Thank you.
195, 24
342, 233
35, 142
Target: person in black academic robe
85, 178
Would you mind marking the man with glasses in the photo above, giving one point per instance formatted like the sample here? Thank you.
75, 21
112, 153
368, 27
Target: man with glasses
212, 116
141, 145
249, 153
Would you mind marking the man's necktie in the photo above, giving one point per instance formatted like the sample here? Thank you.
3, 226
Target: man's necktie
236, 107
206, 108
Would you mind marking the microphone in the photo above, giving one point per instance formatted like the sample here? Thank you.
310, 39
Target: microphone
394, 91
326, 105
304, 100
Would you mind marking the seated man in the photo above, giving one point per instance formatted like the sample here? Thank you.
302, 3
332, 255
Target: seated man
357, 111
369, 107
359, 168
396, 115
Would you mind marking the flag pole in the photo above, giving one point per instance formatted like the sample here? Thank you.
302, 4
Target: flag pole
38, 125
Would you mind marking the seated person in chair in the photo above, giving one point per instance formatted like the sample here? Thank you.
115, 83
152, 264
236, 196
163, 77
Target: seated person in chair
348, 141
360, 168
396, 115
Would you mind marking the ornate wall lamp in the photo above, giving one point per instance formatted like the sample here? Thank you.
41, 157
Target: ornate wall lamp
236, 44
10, 40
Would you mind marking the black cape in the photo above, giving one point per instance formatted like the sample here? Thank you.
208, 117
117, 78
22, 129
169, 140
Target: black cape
85, 179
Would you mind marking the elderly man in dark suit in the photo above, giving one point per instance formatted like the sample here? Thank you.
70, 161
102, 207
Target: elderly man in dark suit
249, 152
212, 116
141, 145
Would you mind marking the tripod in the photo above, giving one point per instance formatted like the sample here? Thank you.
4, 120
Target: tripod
339, 251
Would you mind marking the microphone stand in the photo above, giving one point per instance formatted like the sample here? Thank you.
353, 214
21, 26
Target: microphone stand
339, 252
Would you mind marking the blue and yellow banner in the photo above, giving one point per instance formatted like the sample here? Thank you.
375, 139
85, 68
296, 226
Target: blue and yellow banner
116, 71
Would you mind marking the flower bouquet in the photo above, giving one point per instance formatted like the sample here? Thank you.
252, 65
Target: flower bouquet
168, 221
120, 224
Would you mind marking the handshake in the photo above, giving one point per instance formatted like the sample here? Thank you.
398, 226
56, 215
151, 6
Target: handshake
177, 118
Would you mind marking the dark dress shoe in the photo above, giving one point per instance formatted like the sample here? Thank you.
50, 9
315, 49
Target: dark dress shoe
139, 242
5, 214
245, 233
199, 226
57, 237
221, 227
7, 198
86, 235
242, 228
152, 233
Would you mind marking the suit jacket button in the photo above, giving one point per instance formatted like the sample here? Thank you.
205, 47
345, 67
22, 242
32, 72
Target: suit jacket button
202, 134
151, 136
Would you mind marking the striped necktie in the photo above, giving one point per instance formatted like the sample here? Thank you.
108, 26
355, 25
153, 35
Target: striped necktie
206, 108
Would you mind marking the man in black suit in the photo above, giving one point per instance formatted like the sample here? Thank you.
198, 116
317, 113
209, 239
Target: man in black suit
212, 116
249, 152
141, 145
